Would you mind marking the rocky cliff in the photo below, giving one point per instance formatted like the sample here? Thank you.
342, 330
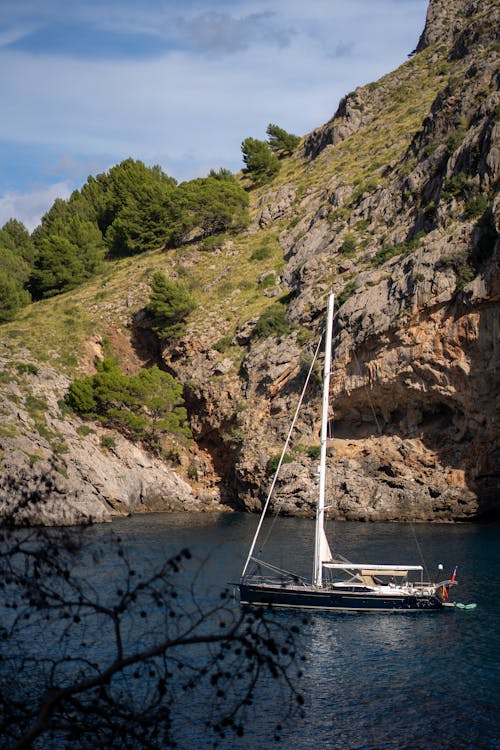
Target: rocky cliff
410, 245
393, 203
94, 473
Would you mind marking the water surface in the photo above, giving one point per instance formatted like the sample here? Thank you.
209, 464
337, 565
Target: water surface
406, 681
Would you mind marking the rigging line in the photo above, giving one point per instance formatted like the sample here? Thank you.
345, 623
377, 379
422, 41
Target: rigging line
368, 394
417, 544
278, 506
273, 484
278, 570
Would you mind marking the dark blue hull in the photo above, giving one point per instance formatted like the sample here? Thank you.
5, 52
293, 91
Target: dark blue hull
308, 597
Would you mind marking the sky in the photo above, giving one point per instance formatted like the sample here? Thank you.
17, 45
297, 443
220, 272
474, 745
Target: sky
85, 84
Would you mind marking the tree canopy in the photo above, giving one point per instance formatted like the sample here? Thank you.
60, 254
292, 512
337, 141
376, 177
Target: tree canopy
134, 207
15, 237
13, 296
128, 210
280, 141
169, 305
16, 256
146, 406
261, 162
262, 158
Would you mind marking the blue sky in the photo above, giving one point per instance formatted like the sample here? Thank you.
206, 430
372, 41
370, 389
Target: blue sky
180, 83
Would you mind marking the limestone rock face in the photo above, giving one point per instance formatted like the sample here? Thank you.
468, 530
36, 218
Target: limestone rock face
348, 118
274, 206
445, 20
415, 399
41, 443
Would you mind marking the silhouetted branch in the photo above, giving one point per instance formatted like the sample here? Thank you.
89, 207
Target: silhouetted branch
96, 653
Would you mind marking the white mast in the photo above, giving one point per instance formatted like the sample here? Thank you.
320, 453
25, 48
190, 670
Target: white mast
320, 511
283, 453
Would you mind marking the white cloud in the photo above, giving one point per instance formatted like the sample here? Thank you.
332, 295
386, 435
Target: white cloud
224, 33
29, 207
287, 62
13, 34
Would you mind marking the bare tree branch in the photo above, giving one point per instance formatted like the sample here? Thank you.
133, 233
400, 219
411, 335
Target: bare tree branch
113, 662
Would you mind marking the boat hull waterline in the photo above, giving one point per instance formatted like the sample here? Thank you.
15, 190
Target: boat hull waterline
309, 597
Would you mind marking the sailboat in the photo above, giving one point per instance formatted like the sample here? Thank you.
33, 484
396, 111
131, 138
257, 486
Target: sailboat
336, 584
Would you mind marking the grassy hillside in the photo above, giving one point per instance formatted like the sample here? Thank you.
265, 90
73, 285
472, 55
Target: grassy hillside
233, 284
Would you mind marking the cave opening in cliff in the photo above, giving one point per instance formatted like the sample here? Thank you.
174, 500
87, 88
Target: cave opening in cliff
223, 455
433, 422
439, 426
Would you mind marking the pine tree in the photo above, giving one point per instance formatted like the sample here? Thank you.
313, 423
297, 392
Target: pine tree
261, 162
169, 305
280, 141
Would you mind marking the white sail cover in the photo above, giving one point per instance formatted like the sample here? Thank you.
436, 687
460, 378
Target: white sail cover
325, 552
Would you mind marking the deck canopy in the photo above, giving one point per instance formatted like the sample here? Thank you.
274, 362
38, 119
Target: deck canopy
374, 570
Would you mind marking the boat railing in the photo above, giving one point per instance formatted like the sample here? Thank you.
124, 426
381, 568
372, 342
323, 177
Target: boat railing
284, 575
281, 581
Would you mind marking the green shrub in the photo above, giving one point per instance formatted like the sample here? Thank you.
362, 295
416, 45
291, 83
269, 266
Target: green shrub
475, 206
272, 322
346, 292
274, 460
26, 368
83, 430
461, 266
416, 240
362, 225
338, 214
430, 148
192, 472
313, 451
107, 442
35, 405
143, 406
268, 280
214, 242
348, 247
465, 273
455, 186
387, 252
81, 396
454, 141
169, 305
223, 344
261, 253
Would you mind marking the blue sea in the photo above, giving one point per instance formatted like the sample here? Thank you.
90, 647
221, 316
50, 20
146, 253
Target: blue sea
405, 681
